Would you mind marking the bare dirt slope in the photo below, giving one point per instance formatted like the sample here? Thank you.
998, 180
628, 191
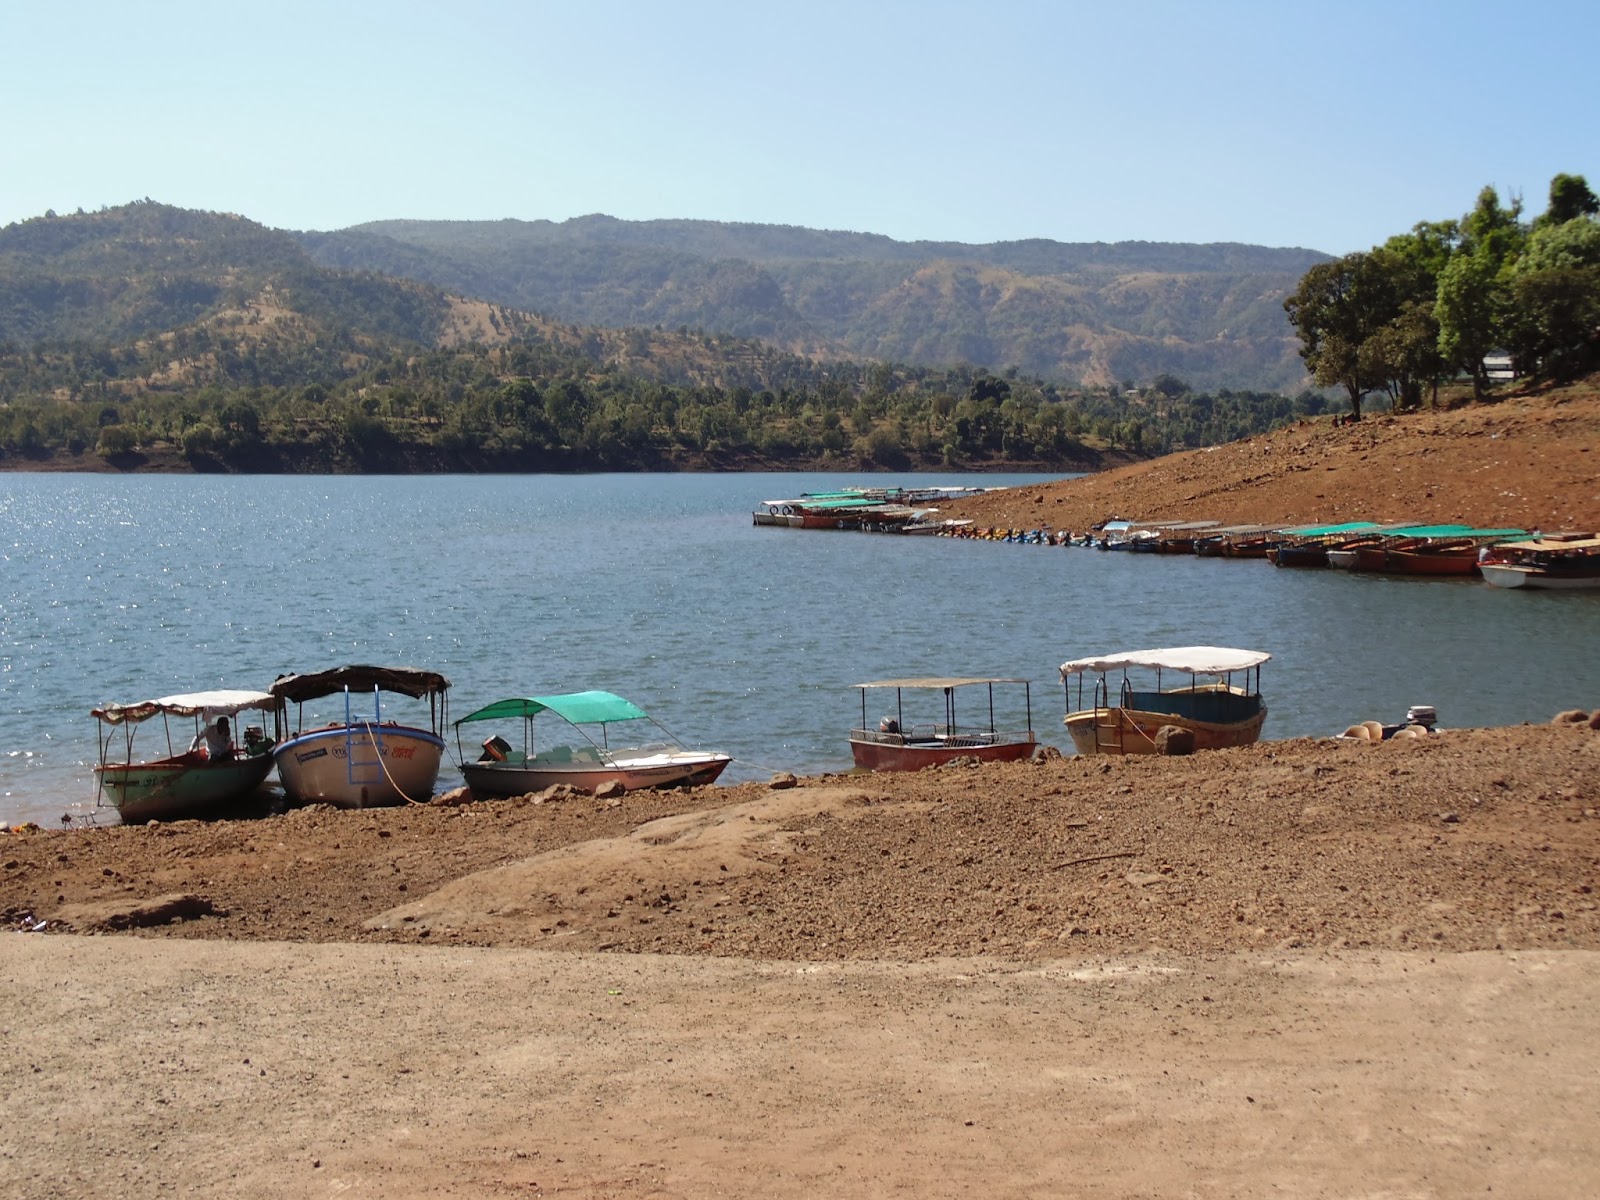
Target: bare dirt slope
1469, 840
1527, 461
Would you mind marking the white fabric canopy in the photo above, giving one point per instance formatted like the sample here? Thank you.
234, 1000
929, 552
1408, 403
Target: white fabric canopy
189, 704
1197, 660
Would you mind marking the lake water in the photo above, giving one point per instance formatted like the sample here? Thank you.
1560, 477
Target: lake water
660, 588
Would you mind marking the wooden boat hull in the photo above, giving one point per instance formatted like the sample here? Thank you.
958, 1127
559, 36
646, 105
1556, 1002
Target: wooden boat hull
181, 787
360, 765
1298, 556
1248, 549
895, 752
635, 772
1133, 731
1439, 562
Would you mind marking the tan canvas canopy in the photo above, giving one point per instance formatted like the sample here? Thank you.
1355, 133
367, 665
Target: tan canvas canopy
1196, 660
189, 704
1553, 545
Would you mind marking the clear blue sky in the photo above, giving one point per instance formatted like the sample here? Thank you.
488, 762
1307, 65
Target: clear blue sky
1315, 123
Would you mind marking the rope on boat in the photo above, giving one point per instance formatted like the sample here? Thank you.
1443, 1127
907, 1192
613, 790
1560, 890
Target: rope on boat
745, 762
383, 766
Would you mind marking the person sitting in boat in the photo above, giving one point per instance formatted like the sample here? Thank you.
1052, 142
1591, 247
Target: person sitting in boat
215, 741
888, 725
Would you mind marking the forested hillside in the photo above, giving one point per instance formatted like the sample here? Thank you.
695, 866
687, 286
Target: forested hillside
149, 336
1092, 314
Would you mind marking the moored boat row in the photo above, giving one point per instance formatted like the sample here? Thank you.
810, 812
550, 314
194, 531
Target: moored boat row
364, 757
1505, 557
873, 509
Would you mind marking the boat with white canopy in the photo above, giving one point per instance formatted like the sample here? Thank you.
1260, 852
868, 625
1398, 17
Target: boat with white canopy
1560, 561
203, 778
1119, 718
504, 770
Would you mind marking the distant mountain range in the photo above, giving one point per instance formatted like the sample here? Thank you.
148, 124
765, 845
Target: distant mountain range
1078, 313
1091, 313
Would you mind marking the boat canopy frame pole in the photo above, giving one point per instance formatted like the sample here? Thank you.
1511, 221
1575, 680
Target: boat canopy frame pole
899, 711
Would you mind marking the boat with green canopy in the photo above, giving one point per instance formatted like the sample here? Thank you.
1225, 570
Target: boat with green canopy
1308, 545
1422, 549
504, 770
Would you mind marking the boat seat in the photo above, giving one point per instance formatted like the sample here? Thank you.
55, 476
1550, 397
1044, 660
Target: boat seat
556, 754
586, 754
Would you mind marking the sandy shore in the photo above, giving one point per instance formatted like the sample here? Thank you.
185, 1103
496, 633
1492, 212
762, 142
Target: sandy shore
140, 1068
1522, 462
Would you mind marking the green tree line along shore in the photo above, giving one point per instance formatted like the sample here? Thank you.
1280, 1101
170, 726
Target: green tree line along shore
1438, 302
231, 358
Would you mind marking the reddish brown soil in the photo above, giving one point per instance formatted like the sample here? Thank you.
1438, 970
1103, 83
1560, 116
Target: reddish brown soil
1469, 840
1527, 461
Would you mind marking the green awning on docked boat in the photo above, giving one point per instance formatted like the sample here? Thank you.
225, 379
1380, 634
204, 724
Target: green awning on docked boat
847, 502
1323, 530
1455, 531
577, 707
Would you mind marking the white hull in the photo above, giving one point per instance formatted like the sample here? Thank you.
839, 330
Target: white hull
1508, 575
360, 766
634, 771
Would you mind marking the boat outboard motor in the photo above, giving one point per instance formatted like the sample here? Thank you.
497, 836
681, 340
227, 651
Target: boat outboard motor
1422, 714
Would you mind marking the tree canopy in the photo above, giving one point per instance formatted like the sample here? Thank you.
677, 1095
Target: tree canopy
1442, 298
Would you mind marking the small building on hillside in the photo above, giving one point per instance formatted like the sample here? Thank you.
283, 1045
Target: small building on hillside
1498, 365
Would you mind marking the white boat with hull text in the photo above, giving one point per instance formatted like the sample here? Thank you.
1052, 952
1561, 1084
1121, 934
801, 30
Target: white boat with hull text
363, 758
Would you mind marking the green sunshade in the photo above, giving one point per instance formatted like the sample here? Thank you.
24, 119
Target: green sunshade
1434, 531
1322, 530
576, 707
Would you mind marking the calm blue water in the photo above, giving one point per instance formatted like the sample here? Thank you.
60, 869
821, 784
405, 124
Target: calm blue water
658, 587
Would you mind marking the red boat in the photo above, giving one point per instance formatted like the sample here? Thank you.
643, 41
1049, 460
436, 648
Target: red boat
1453, 559
899, 745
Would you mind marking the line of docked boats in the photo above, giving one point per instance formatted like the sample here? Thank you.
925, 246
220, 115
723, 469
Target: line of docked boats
367, 758
872, 509
1502, 557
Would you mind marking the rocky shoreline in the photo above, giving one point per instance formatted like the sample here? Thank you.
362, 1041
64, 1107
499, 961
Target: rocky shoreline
1466, 840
